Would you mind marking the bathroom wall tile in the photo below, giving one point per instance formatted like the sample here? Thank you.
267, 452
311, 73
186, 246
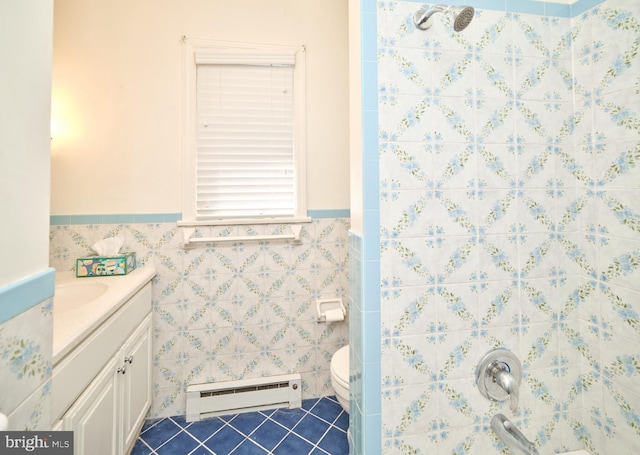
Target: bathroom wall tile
409, 165
168, 402
498, 257
459, 402
618, 264
614, 114
406, 67
537, 305
493, 32
167, 373
498, 211
539, 343
169, 317
444, 441
458, 357
25, 355
455, 213
230, 311
408, 219
455, 73
534, 260
536, 164
538, 254
616, 168
528, 34
534, 211
566, 438
457, 307
495, 82
620, 310
572, 207
412, 358
34, 412
619, 361
413, 313
560, 37
618, 210
412, 259
498, 303
497, 166
614, 419
454, 120
415, 414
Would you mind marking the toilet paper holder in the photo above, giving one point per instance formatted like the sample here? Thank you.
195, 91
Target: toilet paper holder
330, 310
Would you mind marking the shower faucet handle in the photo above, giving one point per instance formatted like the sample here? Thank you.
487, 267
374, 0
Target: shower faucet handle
498, 377
499, 371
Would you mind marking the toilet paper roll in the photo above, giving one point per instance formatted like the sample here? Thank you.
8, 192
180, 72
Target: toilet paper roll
334, 315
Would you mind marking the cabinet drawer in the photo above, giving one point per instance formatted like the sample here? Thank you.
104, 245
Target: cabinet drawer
72, 375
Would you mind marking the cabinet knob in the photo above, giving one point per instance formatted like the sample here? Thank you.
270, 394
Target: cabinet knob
122, 369
129, 360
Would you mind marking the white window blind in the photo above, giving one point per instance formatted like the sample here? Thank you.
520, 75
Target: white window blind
245, 119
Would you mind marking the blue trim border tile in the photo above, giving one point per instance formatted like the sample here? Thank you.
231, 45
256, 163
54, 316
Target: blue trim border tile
61, 220
329, 213
22, 295
554, 9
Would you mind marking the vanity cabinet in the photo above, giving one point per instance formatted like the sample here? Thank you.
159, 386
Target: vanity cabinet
107, 413
94, 417
135, 377
117, 399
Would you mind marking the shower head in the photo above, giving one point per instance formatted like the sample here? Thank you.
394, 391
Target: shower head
462, 16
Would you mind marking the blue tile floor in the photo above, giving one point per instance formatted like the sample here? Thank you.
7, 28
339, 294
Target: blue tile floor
318, 428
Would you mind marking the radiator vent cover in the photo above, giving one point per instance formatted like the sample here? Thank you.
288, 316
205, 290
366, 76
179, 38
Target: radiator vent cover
245, 395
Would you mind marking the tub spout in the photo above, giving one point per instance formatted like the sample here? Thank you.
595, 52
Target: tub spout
512, 436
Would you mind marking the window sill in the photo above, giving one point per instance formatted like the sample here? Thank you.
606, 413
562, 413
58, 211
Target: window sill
189, 240
243, 221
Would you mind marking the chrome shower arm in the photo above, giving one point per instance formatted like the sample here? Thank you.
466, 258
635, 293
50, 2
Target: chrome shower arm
462, 16
421, 17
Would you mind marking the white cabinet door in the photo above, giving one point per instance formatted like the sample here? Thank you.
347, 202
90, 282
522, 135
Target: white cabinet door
108, 414
136, 383
94, 416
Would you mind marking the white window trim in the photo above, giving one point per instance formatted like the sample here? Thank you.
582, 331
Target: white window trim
190, 47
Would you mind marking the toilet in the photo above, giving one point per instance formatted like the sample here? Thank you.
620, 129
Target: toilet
340, 376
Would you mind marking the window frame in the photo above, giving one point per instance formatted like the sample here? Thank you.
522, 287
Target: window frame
262, 53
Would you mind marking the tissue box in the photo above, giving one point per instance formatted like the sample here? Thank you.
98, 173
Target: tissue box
120, 264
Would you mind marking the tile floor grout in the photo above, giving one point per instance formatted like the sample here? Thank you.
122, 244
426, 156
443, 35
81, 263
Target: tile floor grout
244, 436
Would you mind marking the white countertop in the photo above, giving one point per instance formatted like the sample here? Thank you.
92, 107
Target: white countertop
70, 328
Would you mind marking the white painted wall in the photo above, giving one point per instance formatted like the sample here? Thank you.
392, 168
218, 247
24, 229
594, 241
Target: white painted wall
355, 116
117, 95
25, 93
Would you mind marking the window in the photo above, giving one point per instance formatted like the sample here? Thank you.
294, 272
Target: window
244, 141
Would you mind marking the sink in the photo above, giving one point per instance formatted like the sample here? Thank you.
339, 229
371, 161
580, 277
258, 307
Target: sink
69, 296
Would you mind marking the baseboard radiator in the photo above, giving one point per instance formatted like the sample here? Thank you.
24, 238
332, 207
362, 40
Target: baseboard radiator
245, 395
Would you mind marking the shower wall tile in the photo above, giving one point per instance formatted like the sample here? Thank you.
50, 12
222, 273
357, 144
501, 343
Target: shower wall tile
509, 212
231, 311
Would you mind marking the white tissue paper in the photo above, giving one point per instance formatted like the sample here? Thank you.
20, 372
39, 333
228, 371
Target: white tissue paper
334, 315
108, 247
